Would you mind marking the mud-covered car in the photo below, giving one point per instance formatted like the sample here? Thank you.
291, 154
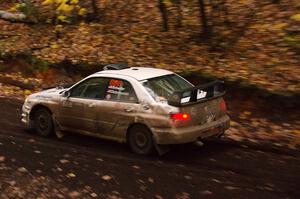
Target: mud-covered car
144, 107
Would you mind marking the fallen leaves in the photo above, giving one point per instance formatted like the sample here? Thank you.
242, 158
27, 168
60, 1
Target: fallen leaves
31, 140
256, 56
94, 195
71, 175
64, 161
15, 85
74, 194
188, 177
37, 152
136, 167
206, 192
151, 180
216, 180
2, 158
37, 186
280, 26
12, 183
100, 160
22, 170
106, 177
296, 17
27, 92
262, 130
157, 196
182, 195
59, 169
248, 113
231, 188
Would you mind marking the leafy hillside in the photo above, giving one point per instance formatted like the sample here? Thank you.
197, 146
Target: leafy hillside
252, 41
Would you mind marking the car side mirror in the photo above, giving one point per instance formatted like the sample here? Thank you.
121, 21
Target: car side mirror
67, 93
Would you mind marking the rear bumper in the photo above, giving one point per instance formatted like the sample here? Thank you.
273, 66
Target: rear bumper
191, 134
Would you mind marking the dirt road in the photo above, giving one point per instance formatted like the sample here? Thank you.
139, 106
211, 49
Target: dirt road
83, 167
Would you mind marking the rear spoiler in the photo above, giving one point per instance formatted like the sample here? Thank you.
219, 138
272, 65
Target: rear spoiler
197, 94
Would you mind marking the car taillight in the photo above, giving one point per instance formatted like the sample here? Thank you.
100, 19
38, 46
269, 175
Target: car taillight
223, 105
180, 116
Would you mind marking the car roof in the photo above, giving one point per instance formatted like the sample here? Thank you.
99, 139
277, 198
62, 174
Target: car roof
139, 73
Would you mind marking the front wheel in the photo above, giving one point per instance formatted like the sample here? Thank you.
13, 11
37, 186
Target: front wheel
43, 123
140, 140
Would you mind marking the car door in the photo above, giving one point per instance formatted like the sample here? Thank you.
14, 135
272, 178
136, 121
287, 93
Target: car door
79, 111
118, 109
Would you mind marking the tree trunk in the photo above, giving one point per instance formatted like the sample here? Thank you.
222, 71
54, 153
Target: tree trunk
179, 13
95, 9
164, 14
10, 81
205, 27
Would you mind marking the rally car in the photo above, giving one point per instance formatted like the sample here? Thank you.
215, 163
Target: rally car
142, 106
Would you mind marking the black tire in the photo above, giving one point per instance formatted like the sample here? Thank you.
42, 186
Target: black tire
43, 123
140, 140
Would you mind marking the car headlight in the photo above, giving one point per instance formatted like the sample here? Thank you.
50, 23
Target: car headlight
27, 101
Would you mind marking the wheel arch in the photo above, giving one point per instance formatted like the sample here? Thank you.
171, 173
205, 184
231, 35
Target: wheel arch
137, 124
37, 107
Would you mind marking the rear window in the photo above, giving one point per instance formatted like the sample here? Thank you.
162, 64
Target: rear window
162, 88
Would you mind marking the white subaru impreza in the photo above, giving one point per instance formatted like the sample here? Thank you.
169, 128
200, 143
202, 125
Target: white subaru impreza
144, 107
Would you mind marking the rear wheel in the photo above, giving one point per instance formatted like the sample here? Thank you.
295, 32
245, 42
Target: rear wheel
140, 140
43, 123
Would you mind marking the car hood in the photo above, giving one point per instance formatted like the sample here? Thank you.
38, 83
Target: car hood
49, 93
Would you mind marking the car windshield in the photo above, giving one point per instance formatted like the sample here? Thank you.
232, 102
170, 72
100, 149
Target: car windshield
162, 88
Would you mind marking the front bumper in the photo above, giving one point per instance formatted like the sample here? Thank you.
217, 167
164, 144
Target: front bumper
191, 134
26, 116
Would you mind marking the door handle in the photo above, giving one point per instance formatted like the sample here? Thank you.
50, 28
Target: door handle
129, 109
67, 104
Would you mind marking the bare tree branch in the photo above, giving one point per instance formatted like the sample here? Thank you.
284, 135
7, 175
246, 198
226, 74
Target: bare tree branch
12, 16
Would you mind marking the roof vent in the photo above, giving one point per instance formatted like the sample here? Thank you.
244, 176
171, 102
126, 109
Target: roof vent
117, 66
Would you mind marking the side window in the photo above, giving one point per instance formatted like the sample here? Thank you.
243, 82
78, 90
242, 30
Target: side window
120, 90
77, 90
93, 88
